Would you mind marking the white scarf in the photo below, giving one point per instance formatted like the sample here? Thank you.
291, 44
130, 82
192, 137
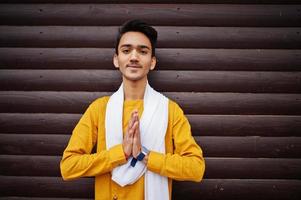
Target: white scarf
153, 125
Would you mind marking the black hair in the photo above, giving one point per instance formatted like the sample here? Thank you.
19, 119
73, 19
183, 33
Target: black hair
138, 26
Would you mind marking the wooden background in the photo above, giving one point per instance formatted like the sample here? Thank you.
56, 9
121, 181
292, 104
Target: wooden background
233, 66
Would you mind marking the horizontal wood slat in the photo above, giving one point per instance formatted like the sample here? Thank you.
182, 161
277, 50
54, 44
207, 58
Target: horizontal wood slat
155, 14
171, 81
192, 103
233, 66
175, 59
37, 198
46, 187
202, 125
218, 189
236, 168
253, 168
252, 146
169, 37
37, 123
157, 1
245, 125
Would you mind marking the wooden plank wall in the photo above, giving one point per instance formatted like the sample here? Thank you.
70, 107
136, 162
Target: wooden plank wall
233, 66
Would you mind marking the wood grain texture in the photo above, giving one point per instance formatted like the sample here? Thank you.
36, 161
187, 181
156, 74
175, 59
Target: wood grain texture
208, 189
155, 14
171, 59
158, 1
248, 189
233, 66
224, 168
169, 37
166, 81
202, 125
212, 146
38, 198
46, 187
250, 147
191, 103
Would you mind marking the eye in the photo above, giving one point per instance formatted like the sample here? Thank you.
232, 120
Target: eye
144, 52
125, 51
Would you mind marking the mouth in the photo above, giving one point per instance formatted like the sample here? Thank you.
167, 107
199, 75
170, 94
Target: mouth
134, 66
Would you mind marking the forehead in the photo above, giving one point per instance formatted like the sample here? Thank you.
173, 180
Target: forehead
135, 39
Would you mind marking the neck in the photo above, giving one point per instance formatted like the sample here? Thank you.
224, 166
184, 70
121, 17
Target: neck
134, 90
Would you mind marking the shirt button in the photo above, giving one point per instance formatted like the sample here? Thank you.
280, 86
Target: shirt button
115, 197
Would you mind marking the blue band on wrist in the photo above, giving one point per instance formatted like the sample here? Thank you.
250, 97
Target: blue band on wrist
133, 162
140, 156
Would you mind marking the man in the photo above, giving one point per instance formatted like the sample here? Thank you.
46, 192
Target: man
143, 139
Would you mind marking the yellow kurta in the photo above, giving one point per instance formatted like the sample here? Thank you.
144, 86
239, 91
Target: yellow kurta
183, 159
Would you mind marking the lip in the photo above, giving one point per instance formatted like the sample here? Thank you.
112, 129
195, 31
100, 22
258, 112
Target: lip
134, 66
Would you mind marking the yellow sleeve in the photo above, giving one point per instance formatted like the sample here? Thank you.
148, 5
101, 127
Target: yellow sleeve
77, 159
187, 162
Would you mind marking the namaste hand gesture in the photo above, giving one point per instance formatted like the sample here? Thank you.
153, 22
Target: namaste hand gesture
132, 143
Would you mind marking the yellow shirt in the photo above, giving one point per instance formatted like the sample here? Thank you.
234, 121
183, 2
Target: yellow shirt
183, 159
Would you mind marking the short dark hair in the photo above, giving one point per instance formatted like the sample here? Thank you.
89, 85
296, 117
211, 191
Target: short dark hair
138, 26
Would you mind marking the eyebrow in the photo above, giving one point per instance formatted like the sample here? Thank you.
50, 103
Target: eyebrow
139, 46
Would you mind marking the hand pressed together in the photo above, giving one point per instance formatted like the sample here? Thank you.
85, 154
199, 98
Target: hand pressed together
132, 142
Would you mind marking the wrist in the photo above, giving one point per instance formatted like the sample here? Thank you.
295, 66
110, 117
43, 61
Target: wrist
145, 159
144, 152
141, 157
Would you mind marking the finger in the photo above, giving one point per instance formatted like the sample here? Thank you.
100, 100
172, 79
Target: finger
131, 121
134, 112
131, 133
138, 125
137, 133
135, 127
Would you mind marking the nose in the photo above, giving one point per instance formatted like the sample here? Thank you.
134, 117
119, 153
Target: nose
134, 56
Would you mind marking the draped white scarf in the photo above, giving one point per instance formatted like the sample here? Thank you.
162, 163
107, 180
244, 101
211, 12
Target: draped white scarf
153, 125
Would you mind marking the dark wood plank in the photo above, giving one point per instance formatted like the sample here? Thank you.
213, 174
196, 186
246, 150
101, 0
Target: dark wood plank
225, 168
38, 198
245, 125
38, 123
202, 125
171, 81
169, 37
38, 101
51, 145
156, 14
214, 146
252, 168
208, 189
158, 1
247, 189
192, 103
250, 147
176, 59
46, 187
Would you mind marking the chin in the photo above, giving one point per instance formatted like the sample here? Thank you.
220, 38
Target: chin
134, 78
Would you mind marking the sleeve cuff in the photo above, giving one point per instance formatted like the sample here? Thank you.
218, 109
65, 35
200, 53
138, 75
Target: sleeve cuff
117, 156
155, 162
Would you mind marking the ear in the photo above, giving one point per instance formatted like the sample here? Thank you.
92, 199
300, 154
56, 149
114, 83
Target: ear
115, 60
153, 63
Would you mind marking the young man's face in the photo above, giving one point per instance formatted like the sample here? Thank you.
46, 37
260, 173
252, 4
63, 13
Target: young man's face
134, 58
